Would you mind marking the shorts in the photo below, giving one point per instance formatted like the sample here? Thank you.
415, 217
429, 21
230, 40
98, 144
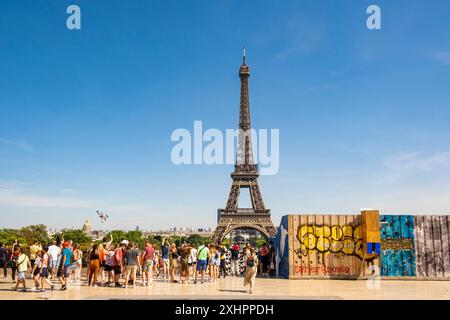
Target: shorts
173, 263
130, 268
36, 271
44, 273
21, 276
148, 265
63, 272
108, 268
201, 265
166, 263
53, 263
117, 270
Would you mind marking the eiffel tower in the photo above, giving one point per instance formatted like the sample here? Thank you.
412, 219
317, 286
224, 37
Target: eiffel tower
245, 176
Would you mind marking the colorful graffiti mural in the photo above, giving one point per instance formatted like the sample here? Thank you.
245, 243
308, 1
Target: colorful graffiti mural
397, 245
331, 246
327, 246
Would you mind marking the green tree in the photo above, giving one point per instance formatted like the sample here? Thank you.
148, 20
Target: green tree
118, 235
8, 235
76, 235
136, 237
34, 233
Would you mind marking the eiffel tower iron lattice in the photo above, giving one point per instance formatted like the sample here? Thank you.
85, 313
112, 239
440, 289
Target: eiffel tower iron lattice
244, 176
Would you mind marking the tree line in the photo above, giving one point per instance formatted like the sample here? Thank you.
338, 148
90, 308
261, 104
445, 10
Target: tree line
26, 236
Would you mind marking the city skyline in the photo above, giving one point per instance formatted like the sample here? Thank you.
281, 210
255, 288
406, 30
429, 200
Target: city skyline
86, 115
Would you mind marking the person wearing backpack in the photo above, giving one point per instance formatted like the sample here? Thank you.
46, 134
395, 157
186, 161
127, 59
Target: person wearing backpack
251, 269
235, 260
23, 263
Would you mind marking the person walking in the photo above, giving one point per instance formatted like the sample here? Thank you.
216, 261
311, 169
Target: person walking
223, 262
156, 262
23, 263
185, 252
202, 258
109, 265
94, 265
264, 254
118, 263
192, 263
63, 271
36, 267
214, 262
235, 260
34, 249
173, 261
13, 259
165, 251
53, 252
251, 269
4, 256
148, 256
272, 266
78, 258
45, 270
102, 258
132, 262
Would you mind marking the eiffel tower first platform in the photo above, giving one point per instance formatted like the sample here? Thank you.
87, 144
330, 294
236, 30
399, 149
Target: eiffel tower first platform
245, 176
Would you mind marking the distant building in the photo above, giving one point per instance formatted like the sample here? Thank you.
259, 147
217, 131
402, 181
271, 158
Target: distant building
86, 227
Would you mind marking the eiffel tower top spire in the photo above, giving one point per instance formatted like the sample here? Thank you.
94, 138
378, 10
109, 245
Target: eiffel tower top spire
244, 160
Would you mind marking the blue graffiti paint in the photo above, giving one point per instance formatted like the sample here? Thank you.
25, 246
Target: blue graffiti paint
397, 262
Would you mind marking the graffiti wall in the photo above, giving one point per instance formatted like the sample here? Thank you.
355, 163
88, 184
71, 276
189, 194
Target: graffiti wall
327, 246
432, 246
398, 256
331, 246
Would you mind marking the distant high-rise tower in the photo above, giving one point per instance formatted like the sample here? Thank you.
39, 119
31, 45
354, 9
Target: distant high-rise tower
245, 176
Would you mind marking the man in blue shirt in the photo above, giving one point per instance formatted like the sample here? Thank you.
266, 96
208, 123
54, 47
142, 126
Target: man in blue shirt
165, 248
65, 263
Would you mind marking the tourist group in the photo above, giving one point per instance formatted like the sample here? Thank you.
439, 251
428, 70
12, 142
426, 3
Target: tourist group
124, 264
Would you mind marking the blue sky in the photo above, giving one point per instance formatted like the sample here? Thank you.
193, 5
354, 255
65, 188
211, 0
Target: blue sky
86, 115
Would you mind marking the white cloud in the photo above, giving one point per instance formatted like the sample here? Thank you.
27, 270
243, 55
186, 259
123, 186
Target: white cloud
409, 164
415, 162
18, 144
14, 193
16, 198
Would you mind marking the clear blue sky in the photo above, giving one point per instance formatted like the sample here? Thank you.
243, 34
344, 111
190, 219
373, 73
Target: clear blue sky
86, 116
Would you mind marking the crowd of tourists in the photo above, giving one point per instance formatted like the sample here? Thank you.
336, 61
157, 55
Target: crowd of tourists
124, 264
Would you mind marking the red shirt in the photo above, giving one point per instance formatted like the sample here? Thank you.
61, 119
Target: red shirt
149, 253
118, 253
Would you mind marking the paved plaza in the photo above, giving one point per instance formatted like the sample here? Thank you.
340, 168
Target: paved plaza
232, 288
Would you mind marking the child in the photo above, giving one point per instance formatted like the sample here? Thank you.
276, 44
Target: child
37, 269
23, 263
45, 259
